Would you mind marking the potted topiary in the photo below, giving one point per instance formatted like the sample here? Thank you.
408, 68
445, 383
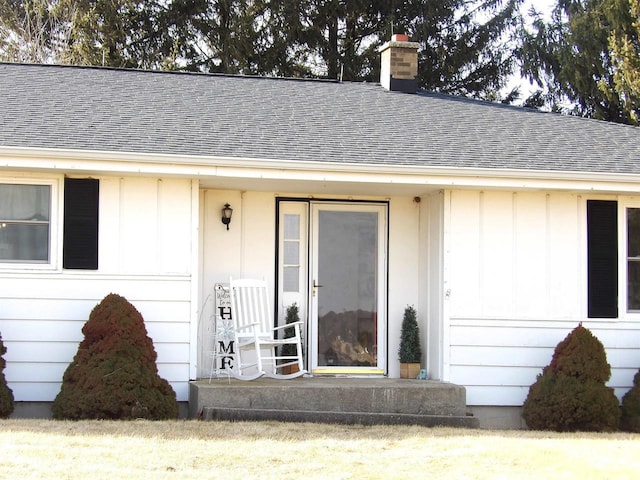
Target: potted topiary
409, 351
290, 350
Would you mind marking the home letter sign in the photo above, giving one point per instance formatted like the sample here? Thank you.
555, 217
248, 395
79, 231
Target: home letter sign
224, 347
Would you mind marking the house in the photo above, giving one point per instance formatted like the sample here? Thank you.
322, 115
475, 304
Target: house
504, 227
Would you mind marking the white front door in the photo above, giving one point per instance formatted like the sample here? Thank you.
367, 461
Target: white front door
343, 295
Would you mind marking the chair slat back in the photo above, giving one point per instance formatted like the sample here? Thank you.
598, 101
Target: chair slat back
250, 303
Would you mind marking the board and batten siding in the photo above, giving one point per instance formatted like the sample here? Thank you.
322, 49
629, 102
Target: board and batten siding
515, 283
146, 235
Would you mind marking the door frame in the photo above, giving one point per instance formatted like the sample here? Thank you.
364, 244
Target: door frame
280, 310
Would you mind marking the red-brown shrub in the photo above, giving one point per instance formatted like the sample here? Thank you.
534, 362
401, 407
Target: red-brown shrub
581, 355
6, 394
571, 394
114, 373
630, 419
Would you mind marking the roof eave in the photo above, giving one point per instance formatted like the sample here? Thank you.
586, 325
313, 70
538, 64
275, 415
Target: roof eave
195, 166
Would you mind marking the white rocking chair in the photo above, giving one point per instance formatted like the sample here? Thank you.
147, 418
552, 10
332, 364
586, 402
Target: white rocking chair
255, 333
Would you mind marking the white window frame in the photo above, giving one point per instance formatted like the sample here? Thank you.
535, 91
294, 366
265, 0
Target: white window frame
623, 286
54, 224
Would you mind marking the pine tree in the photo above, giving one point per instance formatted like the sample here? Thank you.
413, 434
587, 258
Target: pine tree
466, 47
586, 56
624, 42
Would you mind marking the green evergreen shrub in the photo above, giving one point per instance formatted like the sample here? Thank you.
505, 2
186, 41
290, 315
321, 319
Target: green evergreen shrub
570, 394
630, 410
114, 373
292, 316
581, 355
6, 394
409, 351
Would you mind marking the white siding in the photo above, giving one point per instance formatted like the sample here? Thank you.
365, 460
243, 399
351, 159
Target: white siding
145, 225
498, 360
404, 228
42, 319
515, 267
432, 289
145, 235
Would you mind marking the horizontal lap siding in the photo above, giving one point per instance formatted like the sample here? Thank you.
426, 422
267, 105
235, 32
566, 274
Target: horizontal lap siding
42, 334
509, 357
515, 267
145, 248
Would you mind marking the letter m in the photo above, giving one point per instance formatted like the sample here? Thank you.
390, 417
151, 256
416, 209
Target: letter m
228, 349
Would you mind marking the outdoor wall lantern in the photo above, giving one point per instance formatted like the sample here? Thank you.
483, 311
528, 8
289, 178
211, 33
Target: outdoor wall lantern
227, 211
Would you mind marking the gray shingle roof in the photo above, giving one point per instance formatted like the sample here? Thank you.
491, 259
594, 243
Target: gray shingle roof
276, 119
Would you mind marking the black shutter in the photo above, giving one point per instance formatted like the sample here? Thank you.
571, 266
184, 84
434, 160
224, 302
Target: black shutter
602, 245
80, 248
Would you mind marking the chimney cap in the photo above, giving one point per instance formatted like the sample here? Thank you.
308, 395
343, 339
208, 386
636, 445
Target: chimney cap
399, 40
399, 37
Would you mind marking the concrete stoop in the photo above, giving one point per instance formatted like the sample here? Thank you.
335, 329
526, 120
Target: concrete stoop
366, 401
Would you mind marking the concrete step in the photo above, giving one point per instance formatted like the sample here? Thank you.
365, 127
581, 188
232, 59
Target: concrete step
330, 399
360, 418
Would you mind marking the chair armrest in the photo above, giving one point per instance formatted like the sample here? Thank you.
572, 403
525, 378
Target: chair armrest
288, 325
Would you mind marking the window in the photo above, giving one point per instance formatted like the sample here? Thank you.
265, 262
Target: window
633, 259
25, 213
28, 235
602, 258
291, 253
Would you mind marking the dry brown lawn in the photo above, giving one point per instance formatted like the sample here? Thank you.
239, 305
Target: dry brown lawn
93, 450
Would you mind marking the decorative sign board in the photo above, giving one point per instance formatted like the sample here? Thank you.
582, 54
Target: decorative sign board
223, 338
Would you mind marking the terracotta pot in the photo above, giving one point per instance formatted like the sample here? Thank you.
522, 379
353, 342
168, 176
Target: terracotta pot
289, 369
409, 370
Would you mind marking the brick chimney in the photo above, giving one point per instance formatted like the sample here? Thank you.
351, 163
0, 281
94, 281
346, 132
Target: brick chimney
399, 67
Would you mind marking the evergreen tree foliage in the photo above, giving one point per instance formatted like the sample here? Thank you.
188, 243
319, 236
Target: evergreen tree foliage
624, 42
410, 351
114, 374
122, 33
292, 316
466, 47
117, 33
6, 394
35, 31
630, 409
580, 355
571, 394
586, 57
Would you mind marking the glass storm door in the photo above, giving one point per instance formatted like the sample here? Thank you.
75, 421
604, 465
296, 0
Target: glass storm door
347, 289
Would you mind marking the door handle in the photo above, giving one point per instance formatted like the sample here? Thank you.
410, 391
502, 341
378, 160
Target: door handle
315, 285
